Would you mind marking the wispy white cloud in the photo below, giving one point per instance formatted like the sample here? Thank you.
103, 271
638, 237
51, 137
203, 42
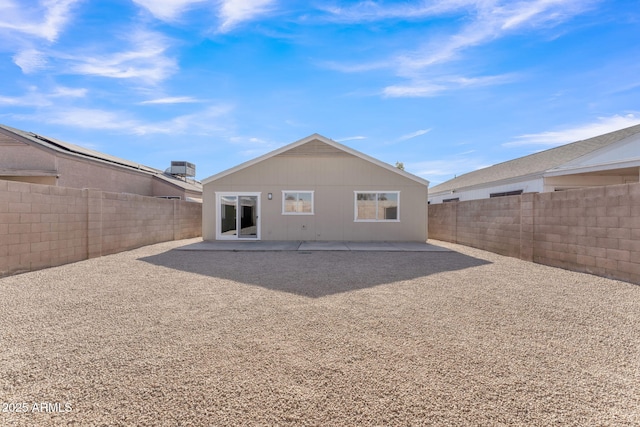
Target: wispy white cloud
23, 101
440, 84
88, 118
355, 68
490, 21
252, 146
208, 121
413, 89
485, 19
437, 171
375, 11
233, 12
248, 139
68, 92
30, 60
351, 138
167, 10
483, 22
464, 153
44, 19
171, 100
145, 60
552, 138
35, 98
414, 134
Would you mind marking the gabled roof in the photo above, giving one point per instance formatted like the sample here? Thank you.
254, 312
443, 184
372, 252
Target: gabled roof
535, 165
325, 140
85, 153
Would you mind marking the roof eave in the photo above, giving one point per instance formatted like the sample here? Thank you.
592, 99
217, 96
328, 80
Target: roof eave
559, 171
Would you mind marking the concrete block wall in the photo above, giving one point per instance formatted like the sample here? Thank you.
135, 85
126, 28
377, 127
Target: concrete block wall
187, 220
130, 221
442, 222
527, 226
594, 230
491, 224
43, 226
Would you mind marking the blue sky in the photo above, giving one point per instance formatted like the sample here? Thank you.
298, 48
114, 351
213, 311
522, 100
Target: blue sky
445, 87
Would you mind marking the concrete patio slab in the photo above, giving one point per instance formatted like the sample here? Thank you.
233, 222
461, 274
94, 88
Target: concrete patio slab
419, 247
394, 247
375, 246
323, 246
266, 246
242, 246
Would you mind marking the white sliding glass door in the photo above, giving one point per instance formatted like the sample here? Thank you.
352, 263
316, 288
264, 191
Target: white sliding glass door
238, 216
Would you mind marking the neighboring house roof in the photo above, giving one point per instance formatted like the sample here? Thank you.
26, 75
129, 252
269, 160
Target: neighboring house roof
315, 137
85, 153
535, 165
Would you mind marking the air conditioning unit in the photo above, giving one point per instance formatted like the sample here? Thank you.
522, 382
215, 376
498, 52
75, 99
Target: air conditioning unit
183, 169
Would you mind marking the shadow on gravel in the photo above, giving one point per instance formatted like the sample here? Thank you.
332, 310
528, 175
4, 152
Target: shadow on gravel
314, 274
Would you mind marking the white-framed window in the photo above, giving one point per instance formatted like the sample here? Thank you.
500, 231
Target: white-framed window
297, 202
377, 206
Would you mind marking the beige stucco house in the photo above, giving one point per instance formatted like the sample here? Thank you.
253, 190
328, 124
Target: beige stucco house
37, 159
315, 189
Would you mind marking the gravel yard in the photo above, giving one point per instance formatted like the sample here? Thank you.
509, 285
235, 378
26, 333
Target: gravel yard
161, 337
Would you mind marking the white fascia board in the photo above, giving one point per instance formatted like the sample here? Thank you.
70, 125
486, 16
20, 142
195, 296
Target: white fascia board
592, 168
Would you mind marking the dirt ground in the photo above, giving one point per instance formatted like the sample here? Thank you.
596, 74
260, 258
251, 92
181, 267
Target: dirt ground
156, 336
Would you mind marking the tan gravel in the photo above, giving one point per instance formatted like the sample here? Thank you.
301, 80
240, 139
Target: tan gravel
161, 337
